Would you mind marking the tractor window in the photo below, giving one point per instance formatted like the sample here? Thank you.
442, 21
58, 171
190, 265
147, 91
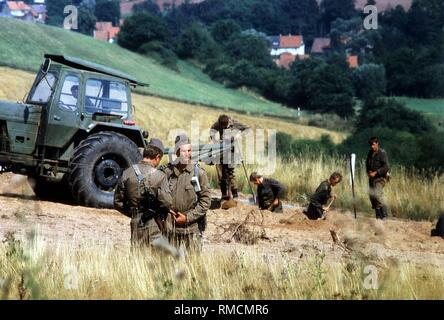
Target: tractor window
106, 97
69, 94
43, 90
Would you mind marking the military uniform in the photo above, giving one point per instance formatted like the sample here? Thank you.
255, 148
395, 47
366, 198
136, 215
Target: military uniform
269, 190
378, 162
318, 200
225, 170
129, 199
189, 202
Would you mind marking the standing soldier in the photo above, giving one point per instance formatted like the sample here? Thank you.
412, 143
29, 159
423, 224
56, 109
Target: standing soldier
316, 209
143, 195
269, 192
378, 172
191, 197
228, 129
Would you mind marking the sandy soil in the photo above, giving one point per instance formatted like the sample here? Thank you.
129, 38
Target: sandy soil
243, 228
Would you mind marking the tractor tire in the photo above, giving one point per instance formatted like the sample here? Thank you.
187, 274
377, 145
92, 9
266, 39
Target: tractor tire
97, 165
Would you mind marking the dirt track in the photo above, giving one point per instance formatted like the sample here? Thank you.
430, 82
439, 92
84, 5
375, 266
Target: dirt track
289, 234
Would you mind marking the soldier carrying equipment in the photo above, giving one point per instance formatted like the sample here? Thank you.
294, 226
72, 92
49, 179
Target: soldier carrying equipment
143, 195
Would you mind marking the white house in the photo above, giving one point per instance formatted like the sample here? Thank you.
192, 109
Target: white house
293, 45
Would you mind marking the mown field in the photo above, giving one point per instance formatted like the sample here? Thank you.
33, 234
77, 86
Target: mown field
23, 45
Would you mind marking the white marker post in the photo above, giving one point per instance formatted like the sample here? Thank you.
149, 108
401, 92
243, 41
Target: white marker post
352, 180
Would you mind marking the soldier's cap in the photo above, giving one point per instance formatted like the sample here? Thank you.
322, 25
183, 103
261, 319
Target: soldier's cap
181, 140
157, 143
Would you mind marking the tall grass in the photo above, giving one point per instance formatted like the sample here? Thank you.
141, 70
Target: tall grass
33, 270
408, 195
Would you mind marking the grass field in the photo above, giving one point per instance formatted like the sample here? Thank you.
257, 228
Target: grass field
432, 108
33, 270
22, 46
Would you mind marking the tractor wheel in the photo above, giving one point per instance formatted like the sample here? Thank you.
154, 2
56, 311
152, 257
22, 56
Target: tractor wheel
97, 165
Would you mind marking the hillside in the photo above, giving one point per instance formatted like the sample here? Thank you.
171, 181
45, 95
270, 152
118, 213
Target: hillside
159, 116
22, 46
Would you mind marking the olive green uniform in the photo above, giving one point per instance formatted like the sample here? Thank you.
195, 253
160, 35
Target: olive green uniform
318, 200
378, 161
189, 202
129, 199
225, 171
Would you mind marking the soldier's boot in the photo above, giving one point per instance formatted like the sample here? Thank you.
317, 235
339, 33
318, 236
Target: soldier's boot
384, 214
234, 193
378, 213
224, 191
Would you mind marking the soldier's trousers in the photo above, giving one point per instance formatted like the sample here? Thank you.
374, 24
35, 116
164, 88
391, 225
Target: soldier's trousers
191, 242
377, 193
227, 180
144, 236
313, 212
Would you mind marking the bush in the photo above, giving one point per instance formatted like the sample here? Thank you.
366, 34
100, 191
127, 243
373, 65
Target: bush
159, 52
393, 114
141, 28
287, 147
369, 81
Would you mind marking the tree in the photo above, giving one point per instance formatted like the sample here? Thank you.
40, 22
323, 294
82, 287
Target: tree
87, 21
334, 9
55, 11
222, 30
196, 43
141, 28
252, 48
320, 87
149, 5
108, 10
369, 81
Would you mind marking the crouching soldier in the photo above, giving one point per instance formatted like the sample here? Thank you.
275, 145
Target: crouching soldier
143, 195
269, 193
317, 207
191, 197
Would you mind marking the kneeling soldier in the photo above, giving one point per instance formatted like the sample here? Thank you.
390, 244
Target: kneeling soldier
143, 195
316, 209
269, 192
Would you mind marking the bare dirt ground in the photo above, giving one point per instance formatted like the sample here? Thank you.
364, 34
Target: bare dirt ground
243, 228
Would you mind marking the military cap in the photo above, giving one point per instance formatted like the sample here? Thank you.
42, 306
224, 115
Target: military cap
154, 142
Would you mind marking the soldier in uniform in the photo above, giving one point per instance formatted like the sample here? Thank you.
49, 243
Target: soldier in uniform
228, 130
191, 197
269, 192
143, 195
316, 209
378, 174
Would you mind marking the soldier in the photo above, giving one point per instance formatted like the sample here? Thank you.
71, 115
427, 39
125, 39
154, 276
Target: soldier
143, 195
228, 129
269, 192
316, 209
378, 175
191, 197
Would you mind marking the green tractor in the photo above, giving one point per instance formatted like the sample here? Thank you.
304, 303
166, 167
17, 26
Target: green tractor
75, 128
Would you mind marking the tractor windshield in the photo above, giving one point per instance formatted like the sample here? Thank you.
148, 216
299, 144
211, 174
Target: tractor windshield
43, 90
